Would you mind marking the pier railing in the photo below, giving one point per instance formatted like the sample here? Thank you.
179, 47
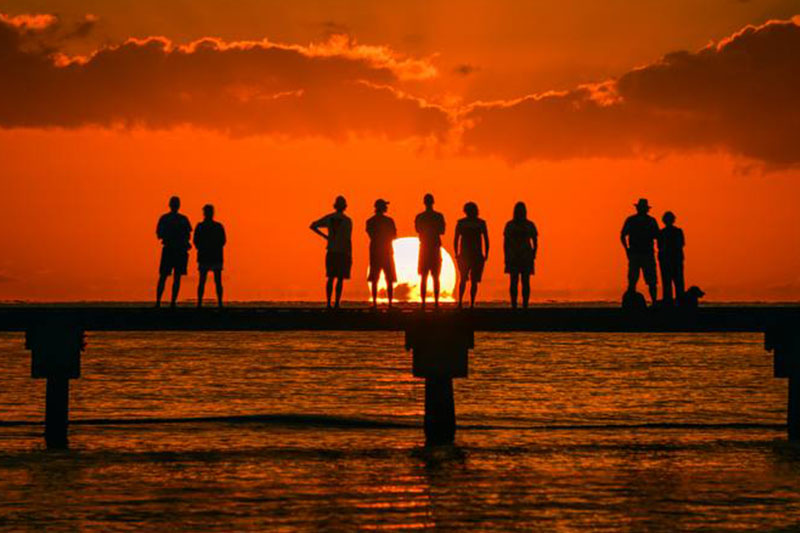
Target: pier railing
439, 340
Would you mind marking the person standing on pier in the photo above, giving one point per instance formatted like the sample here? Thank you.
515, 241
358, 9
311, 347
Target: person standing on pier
174, 231
339, 256
670, 259
638, 236
520, 244
430, 227
209, 239
471, 245
382, 232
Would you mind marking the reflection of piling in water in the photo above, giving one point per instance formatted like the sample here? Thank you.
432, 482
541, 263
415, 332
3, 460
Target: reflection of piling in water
440, 341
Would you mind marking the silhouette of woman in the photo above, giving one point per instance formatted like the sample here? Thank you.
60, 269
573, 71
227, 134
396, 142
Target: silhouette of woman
520, 244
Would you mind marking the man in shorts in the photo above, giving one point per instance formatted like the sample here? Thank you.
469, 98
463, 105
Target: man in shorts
339, 256
430, 228
209, 239
173, 230
471, 245
639, 234
382, 232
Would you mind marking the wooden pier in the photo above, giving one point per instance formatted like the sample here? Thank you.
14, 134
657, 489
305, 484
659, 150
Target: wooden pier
439, 340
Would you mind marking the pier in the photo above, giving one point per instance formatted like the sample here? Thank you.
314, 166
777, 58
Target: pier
439, 341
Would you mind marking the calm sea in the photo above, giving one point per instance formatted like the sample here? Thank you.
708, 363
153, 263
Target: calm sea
321, 431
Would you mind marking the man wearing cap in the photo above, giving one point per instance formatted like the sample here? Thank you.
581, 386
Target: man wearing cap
382, 231
173, 230
638, 236
339, 256
430, 228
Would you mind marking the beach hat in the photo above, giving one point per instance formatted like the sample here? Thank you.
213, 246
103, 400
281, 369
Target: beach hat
642, 203
380, 203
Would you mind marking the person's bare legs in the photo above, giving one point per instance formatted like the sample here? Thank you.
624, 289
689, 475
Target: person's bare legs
436, 291
653, 292
162, 281
423, 287
218, 285
329, 292
473, 292
462, 287
374, 294
339, 283
176, 287
512, 288
390, 291
526, 290
201, 287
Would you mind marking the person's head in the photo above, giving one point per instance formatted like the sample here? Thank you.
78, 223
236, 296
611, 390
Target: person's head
381, 205
340, 204
642, 206
471, 209
174, 204
208, 212
668, 218
428, 200
520, 211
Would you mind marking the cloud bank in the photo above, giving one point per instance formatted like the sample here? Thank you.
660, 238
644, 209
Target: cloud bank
740, 96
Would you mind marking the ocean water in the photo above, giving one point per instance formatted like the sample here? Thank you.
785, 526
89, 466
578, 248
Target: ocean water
322, 431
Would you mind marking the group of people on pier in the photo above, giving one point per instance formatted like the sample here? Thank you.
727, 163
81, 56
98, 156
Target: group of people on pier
471, 245
639, 237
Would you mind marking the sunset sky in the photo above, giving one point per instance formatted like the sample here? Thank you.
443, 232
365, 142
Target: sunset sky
270, 109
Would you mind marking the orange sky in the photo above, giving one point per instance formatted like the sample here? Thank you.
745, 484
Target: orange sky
271, 132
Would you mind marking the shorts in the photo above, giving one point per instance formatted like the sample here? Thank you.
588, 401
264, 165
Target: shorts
173, 260
523, 265
382, 263
430, 260
471, 268
214, 266
646, 263
337, 265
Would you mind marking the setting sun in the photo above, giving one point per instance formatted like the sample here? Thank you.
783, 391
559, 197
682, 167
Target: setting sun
406, 253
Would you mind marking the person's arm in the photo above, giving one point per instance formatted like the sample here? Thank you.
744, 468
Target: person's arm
682, 238
196, 237
323, 222
224, 236
485, 234
623, 237
456, 238
187, 226
160, 229
394, 230
535, 241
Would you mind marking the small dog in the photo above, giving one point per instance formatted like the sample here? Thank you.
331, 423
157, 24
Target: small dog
691, 298
633, 301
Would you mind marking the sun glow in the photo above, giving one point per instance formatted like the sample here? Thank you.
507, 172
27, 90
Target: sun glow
406, 254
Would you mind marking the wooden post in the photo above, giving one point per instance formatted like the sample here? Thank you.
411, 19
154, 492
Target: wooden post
56, 355
785, 344
440, 353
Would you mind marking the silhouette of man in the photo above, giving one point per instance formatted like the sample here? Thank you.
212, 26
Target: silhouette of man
430, 227
173, 230
339, 256
382, 232
670, 258
639, 233
520, 244
209, 239
471, 244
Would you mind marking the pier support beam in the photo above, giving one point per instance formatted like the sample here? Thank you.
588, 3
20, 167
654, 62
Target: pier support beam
440, 353
56, 356
784, 342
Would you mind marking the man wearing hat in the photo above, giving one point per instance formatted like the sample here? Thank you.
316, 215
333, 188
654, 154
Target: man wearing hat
382, 232
339, 256
638, 237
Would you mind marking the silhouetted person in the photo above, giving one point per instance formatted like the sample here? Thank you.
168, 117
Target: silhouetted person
638, 236
382, 232
339, 256
670, 258
430, 228
209, 239
471, 244
173, 230
520, 244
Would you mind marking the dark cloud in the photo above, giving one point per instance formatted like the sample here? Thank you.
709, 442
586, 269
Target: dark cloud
741, 96
334, 90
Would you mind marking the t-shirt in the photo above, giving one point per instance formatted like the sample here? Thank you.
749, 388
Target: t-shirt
174, 231
209, 238
642, 231
670, 244
430, 227
471, 231
518, 235
340, 229
382, 232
